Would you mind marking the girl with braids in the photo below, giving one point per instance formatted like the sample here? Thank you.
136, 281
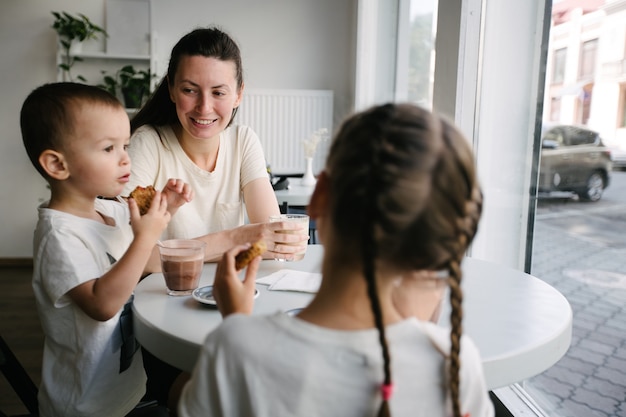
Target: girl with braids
396, 208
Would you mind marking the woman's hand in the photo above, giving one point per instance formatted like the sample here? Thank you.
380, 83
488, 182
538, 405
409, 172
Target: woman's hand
177, 193
286, 239
283, 239
233, 295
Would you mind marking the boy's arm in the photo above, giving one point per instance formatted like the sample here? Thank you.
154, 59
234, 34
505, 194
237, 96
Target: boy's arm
103, 297
154, 262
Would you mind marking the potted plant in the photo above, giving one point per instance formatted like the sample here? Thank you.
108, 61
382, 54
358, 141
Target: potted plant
135, 84
72, 31
132, 83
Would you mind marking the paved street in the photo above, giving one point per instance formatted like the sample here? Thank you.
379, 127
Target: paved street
580, 249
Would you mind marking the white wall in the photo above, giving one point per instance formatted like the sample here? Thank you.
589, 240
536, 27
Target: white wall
285, 44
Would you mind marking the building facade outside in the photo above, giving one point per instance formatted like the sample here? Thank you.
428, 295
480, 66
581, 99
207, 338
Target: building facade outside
586, 69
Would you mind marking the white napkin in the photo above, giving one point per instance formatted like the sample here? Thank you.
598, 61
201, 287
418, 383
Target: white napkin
290, 280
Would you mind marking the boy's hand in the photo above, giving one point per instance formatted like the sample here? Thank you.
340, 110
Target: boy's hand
177, 193
231, 294
151, 224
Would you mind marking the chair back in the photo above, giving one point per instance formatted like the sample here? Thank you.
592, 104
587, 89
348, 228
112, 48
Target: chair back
18, 378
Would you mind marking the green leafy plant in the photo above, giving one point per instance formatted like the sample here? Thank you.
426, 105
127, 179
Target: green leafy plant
72, 29
133, 84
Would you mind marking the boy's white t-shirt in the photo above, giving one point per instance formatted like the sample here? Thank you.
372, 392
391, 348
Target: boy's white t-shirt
81, 359
278, 365
156, 156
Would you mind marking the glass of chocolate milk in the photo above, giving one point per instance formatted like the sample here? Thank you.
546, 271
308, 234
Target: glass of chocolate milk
181, 263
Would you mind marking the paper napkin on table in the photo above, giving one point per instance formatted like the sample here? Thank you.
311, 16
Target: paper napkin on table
290, 280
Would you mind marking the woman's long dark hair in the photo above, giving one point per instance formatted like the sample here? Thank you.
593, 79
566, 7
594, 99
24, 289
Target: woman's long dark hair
403, 189
159, 110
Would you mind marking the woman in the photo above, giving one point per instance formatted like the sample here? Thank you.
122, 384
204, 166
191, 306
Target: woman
185, 131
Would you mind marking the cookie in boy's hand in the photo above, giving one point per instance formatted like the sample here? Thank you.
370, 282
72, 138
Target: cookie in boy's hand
244, 258
143, 197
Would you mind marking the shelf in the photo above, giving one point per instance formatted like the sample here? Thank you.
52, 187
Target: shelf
104, 55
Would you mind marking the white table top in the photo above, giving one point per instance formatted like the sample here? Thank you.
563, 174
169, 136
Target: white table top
296, 195
521, 325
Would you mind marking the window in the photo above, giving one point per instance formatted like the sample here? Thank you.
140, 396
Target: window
587, 59
558, 75
421, 52
584, 104
621, 122
555, 109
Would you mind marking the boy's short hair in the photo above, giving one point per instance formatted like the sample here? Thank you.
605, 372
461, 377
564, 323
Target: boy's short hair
48, 115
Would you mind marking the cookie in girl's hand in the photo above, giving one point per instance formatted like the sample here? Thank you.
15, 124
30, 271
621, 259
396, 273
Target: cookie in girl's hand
244, 258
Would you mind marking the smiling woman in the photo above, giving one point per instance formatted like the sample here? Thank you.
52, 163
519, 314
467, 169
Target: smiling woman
186, 130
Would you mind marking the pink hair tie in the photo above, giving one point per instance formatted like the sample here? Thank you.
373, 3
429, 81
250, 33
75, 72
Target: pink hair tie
387, 391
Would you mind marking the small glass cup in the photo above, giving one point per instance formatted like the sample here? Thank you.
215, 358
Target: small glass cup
296, 218
181, 262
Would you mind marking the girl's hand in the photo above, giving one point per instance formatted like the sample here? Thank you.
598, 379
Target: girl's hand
177, 193
233, 295
150, 225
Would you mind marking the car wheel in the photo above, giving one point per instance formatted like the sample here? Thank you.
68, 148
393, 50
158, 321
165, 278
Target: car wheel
595, 187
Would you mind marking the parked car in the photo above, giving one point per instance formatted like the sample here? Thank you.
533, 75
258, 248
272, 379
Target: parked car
618, 153
574, 159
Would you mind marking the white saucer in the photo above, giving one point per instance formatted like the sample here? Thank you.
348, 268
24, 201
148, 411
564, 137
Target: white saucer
204, 295
294, 311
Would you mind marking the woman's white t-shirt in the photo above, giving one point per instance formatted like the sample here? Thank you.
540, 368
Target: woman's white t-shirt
157, 156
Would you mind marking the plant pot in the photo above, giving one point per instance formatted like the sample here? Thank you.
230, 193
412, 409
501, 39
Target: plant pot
133, 97
76, 47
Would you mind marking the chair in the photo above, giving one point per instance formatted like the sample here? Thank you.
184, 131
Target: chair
17, 377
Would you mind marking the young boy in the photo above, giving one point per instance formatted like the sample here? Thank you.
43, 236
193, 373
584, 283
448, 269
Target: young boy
89, 252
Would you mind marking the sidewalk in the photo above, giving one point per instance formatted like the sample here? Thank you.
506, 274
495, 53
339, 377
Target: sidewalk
590, 380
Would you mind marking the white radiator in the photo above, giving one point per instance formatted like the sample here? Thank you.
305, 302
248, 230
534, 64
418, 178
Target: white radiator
282, 119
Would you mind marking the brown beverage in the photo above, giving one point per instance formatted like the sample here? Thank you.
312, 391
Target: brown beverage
182, 275
181, 262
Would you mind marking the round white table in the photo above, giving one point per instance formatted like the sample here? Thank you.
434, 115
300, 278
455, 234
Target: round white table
521, 325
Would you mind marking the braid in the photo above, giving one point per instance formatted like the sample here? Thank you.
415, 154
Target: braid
467, 229
378, 319
369, 253
456, 330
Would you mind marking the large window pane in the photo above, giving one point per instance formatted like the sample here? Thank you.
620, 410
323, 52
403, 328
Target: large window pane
578, 246
422, 51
